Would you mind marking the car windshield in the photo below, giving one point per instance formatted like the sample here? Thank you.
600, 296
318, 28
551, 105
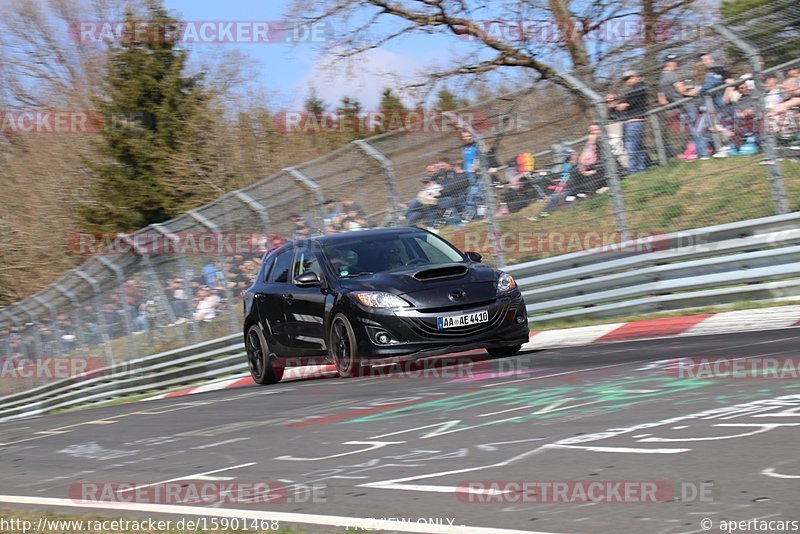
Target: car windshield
362, 256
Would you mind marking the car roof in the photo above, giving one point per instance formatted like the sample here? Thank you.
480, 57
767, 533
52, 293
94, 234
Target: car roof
366, 234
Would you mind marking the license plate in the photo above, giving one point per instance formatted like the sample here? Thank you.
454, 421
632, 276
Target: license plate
454, 321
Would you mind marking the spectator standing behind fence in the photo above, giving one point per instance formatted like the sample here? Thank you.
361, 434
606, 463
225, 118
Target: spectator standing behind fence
614, 129
469, 156
589, 173
671, 89
741, 130
633, 108
715, 76
303, 226
700, 123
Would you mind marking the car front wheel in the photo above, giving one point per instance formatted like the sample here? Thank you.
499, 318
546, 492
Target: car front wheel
264, 367
342, 347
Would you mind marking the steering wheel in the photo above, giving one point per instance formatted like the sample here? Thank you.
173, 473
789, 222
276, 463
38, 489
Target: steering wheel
415, 261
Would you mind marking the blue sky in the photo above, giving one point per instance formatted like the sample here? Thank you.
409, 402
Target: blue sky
287, 71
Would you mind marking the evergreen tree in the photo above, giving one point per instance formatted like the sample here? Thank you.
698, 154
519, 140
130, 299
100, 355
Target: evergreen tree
446, 100
349, 115
393, 111
314, 104
151, 112
774, 30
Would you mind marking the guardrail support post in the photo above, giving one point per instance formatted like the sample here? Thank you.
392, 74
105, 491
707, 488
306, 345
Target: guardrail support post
388, 171
315, 188
768, 138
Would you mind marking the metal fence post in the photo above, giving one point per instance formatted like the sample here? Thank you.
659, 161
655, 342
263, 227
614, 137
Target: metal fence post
37, 340
711, 110
102, 335
655, 124
142, 253
53, 316
610, 161
388, 170
315, 188
256, 206
206, 222
163, 230
75, 305
769, 143
486, 183
133, 352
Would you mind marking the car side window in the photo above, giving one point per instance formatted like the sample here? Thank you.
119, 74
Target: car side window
268, 268
280, 271
306, 260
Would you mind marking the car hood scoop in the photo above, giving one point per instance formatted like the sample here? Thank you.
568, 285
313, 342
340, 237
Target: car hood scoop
441, 272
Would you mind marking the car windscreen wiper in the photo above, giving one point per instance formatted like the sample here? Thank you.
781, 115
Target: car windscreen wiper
353, 275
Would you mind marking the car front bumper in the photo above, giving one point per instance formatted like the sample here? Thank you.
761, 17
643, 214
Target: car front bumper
414, 333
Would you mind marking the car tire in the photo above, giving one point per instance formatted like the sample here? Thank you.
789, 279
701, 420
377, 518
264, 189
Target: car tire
264, 366
342, 347
504, 352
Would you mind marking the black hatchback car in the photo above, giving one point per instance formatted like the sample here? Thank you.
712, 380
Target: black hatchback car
372, 297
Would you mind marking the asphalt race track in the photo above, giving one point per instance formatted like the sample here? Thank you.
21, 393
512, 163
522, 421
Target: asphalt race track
348, 451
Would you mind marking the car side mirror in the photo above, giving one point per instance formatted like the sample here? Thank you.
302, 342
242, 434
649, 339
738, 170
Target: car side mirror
307, 279
474, 256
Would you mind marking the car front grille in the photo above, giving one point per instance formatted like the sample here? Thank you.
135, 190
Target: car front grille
426, 326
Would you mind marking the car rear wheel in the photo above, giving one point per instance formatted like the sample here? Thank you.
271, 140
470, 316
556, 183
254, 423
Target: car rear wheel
264, 366
504, 352
342, 347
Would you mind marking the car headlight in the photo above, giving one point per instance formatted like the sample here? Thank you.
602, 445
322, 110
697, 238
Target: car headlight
379, 299
505, 283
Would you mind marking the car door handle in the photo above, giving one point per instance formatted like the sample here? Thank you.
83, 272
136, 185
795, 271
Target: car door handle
288, 298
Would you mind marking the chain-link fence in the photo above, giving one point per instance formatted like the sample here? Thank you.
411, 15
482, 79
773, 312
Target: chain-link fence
694, 130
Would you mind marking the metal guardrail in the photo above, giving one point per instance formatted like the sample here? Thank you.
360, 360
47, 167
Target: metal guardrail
712, 265
754, 259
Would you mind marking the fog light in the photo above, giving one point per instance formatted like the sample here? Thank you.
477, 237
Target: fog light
520, 319
383, 338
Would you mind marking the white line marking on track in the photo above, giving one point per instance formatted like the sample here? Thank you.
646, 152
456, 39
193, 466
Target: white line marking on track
770, 472
217, 444
356, 523
198, 476
630, 450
